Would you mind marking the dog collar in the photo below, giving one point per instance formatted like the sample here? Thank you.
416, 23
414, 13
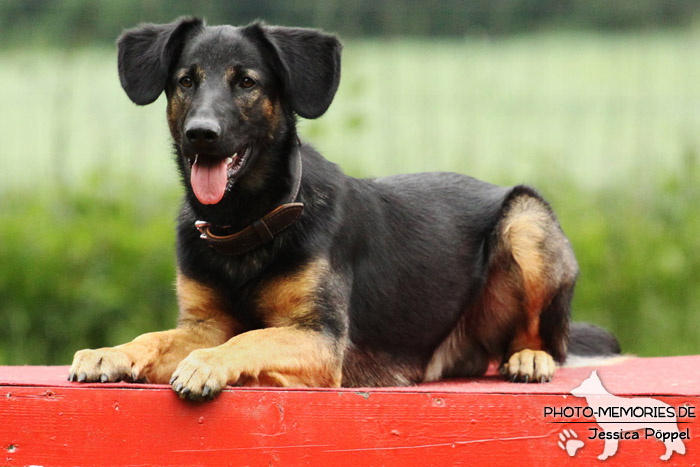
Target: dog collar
263, 230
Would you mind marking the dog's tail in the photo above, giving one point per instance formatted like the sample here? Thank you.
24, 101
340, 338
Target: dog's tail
590, 345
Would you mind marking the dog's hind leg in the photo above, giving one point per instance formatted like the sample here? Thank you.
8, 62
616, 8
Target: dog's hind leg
530, 286
522, 313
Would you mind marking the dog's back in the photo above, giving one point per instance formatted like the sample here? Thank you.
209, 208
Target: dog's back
417, 249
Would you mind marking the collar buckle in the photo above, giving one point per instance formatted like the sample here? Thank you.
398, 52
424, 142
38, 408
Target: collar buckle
203, 228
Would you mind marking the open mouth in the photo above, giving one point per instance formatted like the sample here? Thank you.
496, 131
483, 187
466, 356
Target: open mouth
210, 176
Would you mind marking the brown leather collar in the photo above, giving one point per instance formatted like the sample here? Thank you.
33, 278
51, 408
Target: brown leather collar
265, 229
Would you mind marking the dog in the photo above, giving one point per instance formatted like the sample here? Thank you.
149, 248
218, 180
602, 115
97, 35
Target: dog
613, 428
290, 273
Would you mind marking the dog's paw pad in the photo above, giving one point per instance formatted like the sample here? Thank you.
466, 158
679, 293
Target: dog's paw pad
529, 366
568, 442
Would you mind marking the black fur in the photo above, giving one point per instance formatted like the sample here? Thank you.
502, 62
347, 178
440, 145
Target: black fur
588, 340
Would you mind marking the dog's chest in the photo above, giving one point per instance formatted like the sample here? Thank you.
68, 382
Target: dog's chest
289, 299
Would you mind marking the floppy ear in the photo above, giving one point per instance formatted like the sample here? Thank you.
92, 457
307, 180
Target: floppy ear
309, 63
146, 55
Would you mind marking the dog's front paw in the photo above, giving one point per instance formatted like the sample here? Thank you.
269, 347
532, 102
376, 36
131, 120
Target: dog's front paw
529, 366
102, 365
202, 375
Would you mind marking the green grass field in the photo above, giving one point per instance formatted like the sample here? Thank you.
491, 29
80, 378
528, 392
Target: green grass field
606, 126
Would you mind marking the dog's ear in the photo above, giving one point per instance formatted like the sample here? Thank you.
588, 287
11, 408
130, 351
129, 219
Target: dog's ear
146, 55
309, 64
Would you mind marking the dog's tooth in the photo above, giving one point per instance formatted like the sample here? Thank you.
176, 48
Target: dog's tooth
229, 160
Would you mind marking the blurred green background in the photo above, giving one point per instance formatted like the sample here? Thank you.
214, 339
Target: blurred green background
595, 103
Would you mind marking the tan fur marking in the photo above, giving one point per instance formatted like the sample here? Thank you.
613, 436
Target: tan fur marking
289, 300
499, 301
287, 357
175, 109
271, 112
527, 339
525, 231
278, 356
200, 302
268, 109
230, 74
200, 73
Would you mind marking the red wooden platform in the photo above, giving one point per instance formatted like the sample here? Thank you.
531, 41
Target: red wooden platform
47, 421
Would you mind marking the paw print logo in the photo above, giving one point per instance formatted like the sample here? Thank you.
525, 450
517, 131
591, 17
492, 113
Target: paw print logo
569, 442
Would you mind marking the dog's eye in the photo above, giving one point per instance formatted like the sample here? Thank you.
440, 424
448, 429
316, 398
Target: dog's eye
247, 83
186, 82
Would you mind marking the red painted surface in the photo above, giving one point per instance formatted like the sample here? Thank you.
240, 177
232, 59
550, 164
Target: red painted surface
47, 421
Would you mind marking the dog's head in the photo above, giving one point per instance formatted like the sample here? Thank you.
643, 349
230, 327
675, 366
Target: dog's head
232, 91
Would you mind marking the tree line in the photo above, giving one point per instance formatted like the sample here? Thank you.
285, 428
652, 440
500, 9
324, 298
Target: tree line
79, 22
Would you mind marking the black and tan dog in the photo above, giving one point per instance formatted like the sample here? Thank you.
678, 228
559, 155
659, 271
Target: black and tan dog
292, 274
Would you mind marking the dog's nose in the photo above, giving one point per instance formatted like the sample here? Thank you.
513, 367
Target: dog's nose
201, 130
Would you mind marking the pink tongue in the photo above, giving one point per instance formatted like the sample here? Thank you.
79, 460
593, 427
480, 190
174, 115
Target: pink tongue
209, 181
